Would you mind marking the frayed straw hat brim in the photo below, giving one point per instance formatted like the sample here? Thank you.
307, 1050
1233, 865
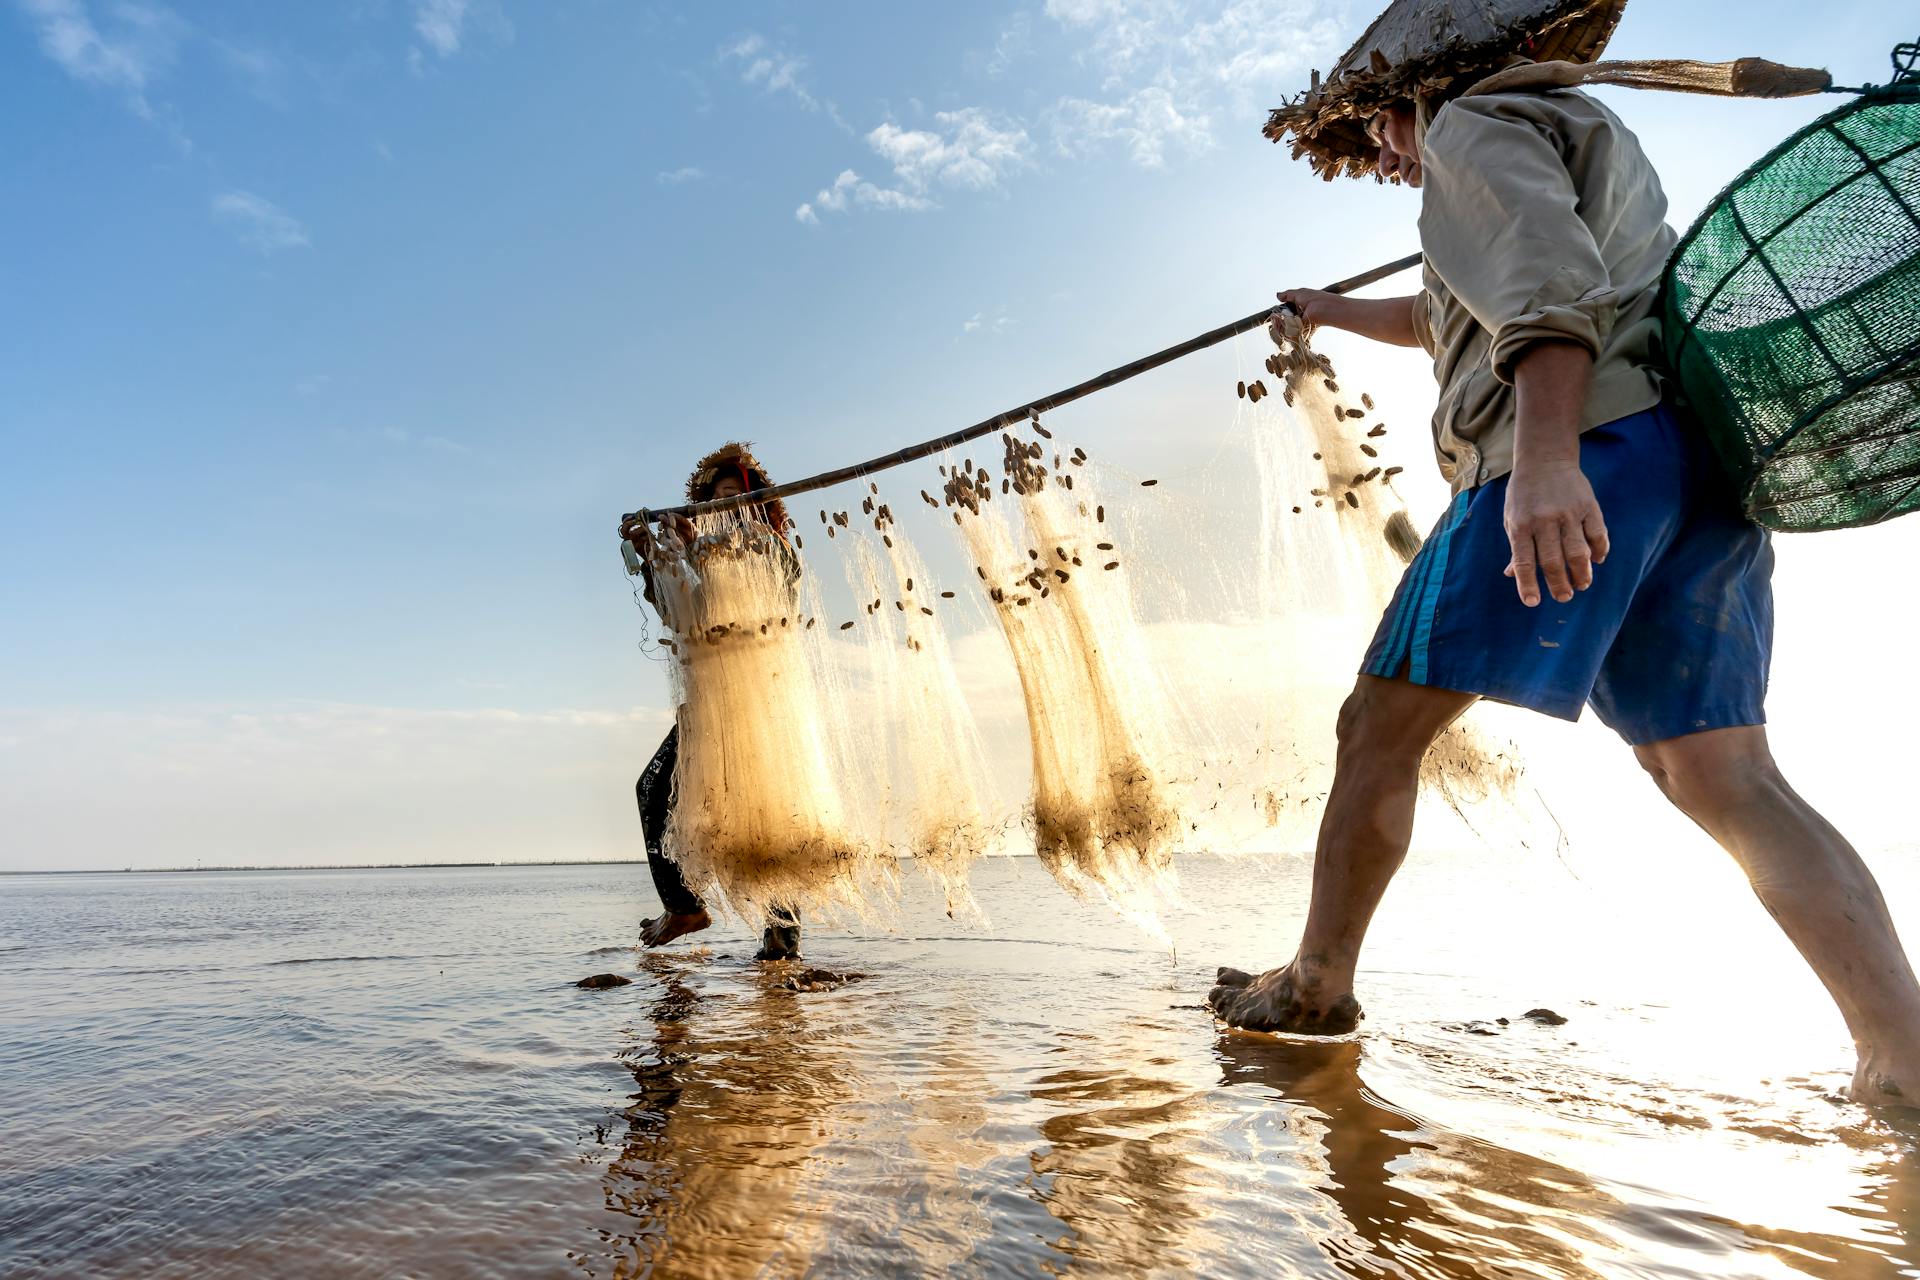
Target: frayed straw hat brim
1419, 48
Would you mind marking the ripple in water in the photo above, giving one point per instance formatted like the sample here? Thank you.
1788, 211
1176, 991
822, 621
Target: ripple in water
928, 1103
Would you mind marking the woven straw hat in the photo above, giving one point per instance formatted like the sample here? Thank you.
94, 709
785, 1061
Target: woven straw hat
735, 458
1427, 47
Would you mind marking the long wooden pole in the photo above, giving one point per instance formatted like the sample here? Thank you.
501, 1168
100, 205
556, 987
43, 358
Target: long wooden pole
1112, 377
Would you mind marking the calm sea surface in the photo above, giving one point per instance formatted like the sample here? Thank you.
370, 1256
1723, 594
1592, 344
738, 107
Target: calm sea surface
390, 1073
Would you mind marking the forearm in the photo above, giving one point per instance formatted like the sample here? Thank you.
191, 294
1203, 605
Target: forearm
1550, 383
1387, 320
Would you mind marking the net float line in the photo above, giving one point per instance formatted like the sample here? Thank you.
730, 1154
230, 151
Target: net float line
1030, 410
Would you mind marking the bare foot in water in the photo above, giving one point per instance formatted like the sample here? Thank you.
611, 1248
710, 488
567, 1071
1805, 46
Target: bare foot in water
663, 929
1876, 1082
1281, 1000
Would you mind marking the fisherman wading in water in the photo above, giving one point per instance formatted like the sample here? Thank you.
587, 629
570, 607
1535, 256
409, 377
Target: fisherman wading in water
727, 472
1593, 553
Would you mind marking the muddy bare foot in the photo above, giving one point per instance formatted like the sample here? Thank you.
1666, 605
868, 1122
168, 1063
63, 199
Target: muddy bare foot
1280, 1000
663, 929
1878, 1083
779, 942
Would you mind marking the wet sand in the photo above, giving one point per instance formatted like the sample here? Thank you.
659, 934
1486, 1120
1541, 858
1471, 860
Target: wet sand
381, 1073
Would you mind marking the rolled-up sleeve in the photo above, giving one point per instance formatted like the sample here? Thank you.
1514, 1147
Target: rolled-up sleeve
1423, 322
1500, 225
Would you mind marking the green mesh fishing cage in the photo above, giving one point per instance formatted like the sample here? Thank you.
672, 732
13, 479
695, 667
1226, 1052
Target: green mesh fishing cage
1792, 317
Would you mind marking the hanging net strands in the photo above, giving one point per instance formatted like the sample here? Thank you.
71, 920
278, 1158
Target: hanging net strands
1043, 654
1032, 409
763, 821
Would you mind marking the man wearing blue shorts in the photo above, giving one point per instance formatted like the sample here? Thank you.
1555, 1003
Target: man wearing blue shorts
1544, 232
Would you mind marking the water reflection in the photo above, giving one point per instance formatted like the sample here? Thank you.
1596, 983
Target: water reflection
1416, 1199
776, 1133
1119, 1169
1039, 1101
940, 1216
1887, 1211
725, 1115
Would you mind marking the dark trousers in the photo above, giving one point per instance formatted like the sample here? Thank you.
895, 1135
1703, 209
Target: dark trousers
655, 792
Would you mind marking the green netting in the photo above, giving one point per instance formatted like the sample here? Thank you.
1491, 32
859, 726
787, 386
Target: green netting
1792, 315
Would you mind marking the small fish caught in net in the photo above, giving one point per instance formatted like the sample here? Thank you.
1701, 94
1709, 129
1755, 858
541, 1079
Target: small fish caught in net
1053, 628
935, 769
1376, 540
1103, 820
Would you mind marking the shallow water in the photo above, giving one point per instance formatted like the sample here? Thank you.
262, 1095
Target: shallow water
389, 1073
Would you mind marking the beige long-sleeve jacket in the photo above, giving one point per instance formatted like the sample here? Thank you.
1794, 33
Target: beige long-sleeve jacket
1540, 218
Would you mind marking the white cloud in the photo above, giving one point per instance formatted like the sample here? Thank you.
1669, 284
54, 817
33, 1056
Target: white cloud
995, 321
441, 24
968, 150
773, 69
851, 191
1014, 43
1262, 48
311, 385
1147, 122
1164, 71
679, 177
136, 52
142, 48
1124, 33
261, 225
445, 27
1169, 66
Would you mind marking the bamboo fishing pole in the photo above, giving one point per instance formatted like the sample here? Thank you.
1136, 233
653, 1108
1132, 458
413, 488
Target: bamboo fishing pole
1111, 378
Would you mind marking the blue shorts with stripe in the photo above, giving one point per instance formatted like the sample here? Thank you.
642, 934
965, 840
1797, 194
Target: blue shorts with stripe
1673, 637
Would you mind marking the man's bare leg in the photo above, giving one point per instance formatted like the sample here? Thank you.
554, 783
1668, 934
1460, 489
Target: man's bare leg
1816, 888
1385, 729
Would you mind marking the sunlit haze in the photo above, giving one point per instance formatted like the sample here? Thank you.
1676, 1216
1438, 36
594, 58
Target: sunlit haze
339, 337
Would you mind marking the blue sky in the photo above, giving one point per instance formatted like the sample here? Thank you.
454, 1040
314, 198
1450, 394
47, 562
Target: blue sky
337, 335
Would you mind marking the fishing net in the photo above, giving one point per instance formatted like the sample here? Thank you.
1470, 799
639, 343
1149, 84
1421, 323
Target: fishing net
1036, 652
1792, 319
1372, 538
935, 764
1103, 813
762, 818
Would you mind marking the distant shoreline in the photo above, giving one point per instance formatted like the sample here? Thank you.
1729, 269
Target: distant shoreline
331, 866
368, 866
